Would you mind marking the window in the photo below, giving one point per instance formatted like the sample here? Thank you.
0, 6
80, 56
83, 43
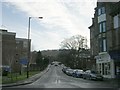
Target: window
25, 44
100, 68
101, 10
105, 68
108, 68
102, 27
116, 20
100, 45
103, 45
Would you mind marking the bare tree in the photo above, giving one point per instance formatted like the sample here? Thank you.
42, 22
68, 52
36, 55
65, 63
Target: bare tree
75, 44
10, 59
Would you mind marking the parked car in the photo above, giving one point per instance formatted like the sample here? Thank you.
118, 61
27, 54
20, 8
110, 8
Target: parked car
52, 63
92, 75
56, 65
69, 72
78, 73
5, 70
59, 63
65, 68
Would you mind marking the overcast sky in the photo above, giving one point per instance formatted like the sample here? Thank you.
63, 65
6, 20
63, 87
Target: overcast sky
61, 19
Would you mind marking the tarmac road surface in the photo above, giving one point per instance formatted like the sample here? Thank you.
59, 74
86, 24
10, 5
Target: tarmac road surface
55, 78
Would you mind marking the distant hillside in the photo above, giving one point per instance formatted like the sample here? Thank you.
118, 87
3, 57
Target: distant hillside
52, 54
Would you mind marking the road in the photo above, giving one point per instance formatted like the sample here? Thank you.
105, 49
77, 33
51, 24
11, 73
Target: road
55, 78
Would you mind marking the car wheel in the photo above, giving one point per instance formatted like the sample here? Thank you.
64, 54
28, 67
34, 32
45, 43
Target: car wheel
84, 77
90, 78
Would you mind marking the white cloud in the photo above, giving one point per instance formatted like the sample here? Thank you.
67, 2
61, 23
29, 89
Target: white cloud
68, 16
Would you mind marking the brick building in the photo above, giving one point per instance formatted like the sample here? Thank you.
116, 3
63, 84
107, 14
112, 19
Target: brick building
105, 38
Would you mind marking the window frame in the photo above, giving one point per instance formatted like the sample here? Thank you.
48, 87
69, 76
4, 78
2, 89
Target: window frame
102, 27
102, 45
116, 21
101, 11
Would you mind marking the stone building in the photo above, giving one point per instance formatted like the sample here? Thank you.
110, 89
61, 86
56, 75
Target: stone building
7, 50
22, 52
84, 60
105, 38
13, 51
0, 50
22, 47
115, 48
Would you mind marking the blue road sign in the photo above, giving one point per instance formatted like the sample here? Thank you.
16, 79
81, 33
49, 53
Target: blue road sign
23, 61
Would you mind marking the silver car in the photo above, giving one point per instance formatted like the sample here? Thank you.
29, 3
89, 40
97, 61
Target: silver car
92, 75
69, 72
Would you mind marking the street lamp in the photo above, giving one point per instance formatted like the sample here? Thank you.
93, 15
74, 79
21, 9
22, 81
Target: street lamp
29, 43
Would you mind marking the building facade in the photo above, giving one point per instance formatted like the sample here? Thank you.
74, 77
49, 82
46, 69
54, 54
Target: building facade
0, 50
13, 51
105, 38
8, 44
22, 52
22, 47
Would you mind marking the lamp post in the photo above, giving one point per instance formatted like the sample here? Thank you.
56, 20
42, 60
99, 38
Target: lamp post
29, 43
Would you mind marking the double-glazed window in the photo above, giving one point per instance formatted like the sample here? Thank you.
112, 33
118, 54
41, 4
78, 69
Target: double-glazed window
103, 45
102, 27
101, 11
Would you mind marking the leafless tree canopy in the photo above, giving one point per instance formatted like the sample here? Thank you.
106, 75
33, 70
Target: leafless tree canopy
75, 42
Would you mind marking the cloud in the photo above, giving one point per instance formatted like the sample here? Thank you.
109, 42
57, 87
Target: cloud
60, 17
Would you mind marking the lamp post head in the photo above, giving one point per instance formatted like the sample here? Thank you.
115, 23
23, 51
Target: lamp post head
36, 17
40, 17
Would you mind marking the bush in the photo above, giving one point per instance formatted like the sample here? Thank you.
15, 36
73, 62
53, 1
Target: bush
4, 73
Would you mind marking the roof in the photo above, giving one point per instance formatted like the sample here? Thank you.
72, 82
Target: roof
5, 32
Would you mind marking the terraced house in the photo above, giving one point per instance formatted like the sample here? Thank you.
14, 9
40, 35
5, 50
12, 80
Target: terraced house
105, 38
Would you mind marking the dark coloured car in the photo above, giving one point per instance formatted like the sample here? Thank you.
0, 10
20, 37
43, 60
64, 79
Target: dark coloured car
59, 63
92, 75
56, 65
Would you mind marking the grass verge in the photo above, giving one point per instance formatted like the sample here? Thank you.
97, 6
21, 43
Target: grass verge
15, 77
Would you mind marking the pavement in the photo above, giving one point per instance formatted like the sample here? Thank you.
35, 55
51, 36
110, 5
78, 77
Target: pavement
27, 81
115, 82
